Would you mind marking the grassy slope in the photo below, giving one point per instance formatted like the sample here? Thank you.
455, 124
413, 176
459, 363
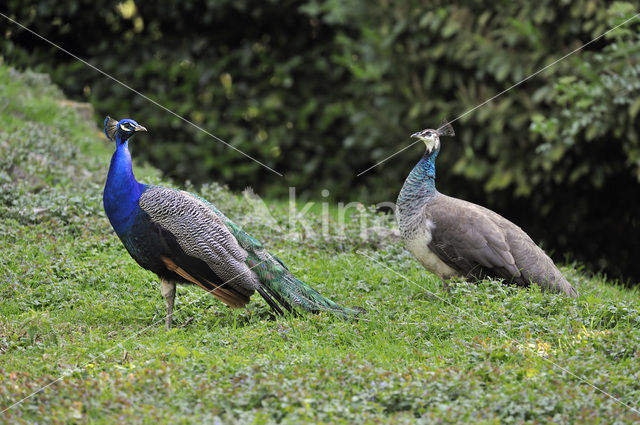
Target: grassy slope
72, 301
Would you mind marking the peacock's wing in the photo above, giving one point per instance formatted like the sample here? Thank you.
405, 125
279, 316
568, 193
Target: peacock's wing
246, 241
197, 245
467, 239
278, 285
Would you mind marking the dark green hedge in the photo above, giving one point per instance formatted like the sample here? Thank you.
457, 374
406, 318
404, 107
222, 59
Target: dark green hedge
322, 89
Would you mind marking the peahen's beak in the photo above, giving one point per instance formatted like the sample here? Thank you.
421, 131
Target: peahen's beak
139, 128
419, 134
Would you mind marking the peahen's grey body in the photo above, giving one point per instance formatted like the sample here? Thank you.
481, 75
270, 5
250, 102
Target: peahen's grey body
451, 237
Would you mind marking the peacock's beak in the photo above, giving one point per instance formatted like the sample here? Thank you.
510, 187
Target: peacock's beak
139, 128
418, 135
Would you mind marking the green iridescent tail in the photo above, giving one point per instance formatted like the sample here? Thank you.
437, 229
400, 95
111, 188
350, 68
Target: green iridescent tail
281, 288
301, 295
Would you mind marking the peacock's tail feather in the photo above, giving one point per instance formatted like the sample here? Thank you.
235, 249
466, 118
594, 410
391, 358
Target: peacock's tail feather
282, 287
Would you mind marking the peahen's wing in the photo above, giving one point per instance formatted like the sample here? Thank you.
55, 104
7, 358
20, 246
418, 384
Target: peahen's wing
466, 238
198, 246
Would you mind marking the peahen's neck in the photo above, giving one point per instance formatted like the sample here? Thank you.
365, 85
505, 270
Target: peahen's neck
122, 190
418, 189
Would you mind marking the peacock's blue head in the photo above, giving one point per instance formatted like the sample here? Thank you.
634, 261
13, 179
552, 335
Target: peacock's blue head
121, 130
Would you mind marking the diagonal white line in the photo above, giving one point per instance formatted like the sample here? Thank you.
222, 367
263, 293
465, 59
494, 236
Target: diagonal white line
503, 333
68, 372
140, 94
513, 86
388, 158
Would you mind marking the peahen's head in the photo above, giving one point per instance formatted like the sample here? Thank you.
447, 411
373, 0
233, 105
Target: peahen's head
431, 137
121, 130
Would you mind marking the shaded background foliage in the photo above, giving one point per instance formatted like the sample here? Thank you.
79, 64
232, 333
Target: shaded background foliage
322, 89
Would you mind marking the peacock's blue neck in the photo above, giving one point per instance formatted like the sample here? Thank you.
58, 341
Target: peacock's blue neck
122, 190
420, 186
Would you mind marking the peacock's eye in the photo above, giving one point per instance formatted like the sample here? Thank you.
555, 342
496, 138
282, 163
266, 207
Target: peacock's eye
126, 127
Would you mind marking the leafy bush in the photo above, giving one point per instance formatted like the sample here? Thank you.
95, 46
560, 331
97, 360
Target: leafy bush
321, 90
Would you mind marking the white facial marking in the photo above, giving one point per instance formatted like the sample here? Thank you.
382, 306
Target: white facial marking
431, 140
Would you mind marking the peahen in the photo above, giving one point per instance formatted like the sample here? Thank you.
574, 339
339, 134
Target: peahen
184, 239
451, 237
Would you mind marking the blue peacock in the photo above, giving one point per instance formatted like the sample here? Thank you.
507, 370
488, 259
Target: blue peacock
451, 237
185, 239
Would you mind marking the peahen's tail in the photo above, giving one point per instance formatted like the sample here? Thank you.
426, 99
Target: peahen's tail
288, 291
559, 283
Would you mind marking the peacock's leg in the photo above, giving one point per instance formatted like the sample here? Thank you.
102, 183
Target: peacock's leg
168, 290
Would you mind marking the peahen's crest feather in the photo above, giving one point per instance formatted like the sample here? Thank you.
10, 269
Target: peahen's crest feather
110, 127
446, 129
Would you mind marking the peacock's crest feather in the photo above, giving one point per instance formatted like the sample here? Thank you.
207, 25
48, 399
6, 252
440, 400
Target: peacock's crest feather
110, 127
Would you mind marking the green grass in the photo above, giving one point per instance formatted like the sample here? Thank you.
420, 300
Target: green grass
73, 304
